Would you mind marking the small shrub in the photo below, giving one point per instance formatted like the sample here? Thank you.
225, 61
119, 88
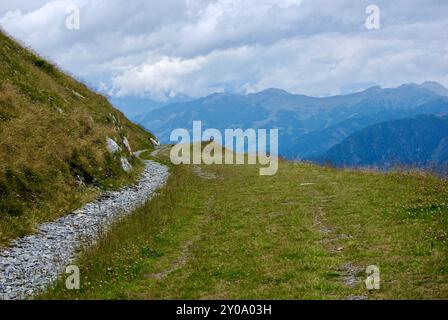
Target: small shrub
45, 66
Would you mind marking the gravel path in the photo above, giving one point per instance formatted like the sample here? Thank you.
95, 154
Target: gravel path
33, 263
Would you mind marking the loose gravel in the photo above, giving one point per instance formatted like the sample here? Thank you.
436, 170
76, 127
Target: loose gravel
31, 264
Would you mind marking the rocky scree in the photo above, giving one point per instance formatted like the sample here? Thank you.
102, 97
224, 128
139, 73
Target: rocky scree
31, 264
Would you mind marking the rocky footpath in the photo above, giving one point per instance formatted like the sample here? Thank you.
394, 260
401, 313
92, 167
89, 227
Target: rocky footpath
30, 264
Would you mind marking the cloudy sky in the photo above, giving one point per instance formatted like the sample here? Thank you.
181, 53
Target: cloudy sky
165, 48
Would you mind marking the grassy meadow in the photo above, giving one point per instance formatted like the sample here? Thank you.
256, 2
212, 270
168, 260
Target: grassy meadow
309, 232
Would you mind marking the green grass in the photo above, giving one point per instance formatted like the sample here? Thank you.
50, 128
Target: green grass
53, 133
243, 236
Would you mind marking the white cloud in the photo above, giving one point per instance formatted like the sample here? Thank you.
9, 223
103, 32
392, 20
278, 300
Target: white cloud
161, 79
195, 47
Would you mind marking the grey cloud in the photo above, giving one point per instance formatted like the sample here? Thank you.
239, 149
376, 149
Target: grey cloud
195, 47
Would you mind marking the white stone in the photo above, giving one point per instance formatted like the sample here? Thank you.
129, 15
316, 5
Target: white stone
127, 145
155, 142
112, 146
125, 164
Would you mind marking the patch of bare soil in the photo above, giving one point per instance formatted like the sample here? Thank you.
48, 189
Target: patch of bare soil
350, 274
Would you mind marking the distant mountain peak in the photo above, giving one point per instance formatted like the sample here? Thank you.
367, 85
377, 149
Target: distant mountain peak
435, 87
409, 85
272, 91
373, 89
432, 83
218, 95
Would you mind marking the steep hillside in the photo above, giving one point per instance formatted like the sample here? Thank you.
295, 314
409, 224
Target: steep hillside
420, 141
307, 125
53, 133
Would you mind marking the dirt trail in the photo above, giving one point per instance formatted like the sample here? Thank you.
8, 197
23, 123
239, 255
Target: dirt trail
349, 272
33, 263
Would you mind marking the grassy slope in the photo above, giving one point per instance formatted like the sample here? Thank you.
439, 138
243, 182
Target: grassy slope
241, 235
53, 131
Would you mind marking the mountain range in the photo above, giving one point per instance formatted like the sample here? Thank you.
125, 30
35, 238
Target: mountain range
308, 126
421, 142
